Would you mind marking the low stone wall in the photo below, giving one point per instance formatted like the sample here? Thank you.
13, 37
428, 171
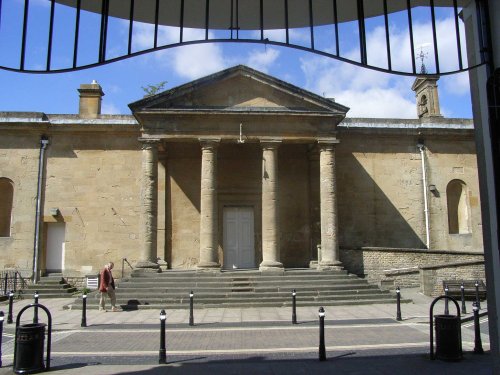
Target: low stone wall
426, 269
432, 277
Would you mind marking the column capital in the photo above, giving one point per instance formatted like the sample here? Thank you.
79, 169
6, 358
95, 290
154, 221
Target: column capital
149, 143
327, 143
270, 143
209, 142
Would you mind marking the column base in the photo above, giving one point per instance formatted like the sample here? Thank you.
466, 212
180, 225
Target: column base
145, 266
270, 266
333, 265
207, 265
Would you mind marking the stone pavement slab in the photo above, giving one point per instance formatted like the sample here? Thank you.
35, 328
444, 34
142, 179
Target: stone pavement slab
359, 340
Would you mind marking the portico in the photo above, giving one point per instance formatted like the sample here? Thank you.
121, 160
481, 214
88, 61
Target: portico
224, 178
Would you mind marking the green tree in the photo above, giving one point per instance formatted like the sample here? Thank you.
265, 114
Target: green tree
151, 90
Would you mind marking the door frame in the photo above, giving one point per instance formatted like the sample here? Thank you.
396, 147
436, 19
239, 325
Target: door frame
222, 233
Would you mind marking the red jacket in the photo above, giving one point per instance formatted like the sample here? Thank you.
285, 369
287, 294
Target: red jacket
106, 280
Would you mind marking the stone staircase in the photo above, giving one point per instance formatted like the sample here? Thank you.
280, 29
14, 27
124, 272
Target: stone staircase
51, 286
170, 290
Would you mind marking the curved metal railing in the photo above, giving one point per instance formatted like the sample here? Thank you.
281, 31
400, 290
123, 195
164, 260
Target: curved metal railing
44, 36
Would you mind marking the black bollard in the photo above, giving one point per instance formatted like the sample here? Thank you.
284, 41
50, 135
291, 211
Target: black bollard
35, 314
1, 333
322, 350
163, 350
398, 300
478, 346
294, 307
11, 302
446, 309
476, 284
191, 316
462, 295
84, 310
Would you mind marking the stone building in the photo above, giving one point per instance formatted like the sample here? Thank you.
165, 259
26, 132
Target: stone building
240, 170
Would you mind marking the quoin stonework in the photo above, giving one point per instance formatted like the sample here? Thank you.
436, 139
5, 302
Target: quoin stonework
241, 170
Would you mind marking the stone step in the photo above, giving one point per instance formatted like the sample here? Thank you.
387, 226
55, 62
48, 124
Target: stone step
242, 288
52, 286
239, 304
41, 287
291, 282
268, 289
237, 301
231, 275
160, 277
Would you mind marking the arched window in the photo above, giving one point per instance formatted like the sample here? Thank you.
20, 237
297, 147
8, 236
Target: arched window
6, 199
458, 207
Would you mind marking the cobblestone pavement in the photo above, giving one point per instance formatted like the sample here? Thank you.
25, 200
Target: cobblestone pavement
359, 340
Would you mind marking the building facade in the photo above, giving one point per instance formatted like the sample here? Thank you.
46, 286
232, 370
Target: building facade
235, 170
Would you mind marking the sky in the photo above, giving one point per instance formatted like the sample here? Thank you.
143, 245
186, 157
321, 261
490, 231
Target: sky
368, 93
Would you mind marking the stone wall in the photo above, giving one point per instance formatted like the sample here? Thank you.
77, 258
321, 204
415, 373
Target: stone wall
94, 181
408, 267
19, 155
432, 277
380, 194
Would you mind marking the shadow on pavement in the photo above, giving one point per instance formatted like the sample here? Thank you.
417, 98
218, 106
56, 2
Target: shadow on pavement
342, 363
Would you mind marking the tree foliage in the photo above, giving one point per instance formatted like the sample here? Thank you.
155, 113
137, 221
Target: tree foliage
154, 89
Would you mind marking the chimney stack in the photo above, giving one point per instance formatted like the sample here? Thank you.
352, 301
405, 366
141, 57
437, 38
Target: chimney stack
90, 100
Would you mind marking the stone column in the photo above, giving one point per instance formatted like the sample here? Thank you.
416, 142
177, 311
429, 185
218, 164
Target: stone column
314, 201
149, 204
270, 208
208, 205
328, 202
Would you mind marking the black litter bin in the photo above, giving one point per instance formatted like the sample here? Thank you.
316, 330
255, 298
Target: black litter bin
448, 337
29, 348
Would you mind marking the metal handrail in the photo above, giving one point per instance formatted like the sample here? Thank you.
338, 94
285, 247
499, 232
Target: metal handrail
12, 281
124, 260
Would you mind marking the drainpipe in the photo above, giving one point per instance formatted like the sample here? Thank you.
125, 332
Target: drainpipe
41, 166
421, 148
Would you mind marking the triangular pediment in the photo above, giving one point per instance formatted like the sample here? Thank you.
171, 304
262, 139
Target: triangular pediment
238, 89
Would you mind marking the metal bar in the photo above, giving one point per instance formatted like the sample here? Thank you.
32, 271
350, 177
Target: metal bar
207, 14
336, 23
77, 32
434, 36
104, 30
231, 18
157, 10
25, 26
387, 36
130, 26
261, 20
51, 32
412, 44
287, 31
181, 32
457, 31
362, 32
311, 23
237, 19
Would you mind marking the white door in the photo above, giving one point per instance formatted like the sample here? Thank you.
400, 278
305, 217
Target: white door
238, 244
54, 259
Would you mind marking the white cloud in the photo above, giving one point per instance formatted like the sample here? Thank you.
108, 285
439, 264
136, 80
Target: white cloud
377, 102
370, 93
110, 109
196, 61
191, 61
262, 60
